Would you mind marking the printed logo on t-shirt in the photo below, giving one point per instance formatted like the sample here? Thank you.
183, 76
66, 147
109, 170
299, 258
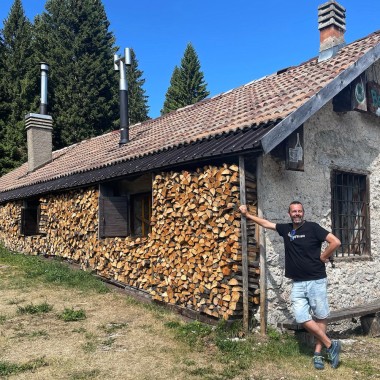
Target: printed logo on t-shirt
292, 237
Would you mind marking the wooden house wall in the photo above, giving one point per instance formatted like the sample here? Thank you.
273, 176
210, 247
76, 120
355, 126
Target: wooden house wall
191, 258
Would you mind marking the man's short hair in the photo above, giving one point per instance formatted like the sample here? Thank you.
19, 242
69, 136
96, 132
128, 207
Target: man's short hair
296, 203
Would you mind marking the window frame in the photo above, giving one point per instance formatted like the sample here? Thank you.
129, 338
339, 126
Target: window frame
358, 185
145, 223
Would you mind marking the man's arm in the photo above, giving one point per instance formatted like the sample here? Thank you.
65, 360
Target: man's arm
262, 222
334, 244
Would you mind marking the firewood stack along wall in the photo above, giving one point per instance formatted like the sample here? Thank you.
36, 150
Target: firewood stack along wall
191, 258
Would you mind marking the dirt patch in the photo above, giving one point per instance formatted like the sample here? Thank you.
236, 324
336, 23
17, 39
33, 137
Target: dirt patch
118, 339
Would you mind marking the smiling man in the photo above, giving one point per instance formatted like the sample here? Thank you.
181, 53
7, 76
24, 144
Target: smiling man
305, 265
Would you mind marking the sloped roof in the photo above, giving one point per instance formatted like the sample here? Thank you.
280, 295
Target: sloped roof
255, 116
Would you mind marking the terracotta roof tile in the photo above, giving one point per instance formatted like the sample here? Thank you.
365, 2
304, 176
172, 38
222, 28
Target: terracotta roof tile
259, 102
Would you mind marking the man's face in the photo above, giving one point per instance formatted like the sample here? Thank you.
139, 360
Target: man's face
296, 213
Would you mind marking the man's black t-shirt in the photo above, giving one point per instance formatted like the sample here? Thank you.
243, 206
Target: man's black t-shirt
303, 251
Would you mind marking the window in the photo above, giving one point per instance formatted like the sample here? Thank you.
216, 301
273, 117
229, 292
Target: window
141, 207
350, 216
30, 217
125, 207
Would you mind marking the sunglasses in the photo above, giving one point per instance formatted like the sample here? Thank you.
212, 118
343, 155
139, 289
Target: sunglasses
292, 235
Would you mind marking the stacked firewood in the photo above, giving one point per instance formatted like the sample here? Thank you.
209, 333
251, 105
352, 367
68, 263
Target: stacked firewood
191, 258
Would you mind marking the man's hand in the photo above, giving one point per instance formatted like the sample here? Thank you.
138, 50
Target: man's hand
334, 244
262, 222
243, 209
324, 259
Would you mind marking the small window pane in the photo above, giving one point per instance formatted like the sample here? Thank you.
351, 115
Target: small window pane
141, 213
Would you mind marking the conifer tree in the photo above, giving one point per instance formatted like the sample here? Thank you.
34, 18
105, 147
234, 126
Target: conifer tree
3, 96
137, 100
187, 85
173, 98
73, 38
17, 86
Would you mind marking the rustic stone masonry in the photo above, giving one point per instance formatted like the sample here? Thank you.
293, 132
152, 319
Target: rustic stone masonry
191, 258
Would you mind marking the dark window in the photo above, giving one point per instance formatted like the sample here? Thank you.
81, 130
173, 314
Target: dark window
30, 218
141, 212
350, 213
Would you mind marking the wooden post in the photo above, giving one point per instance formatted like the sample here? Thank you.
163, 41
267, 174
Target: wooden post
263, 283
263, 264
244, 247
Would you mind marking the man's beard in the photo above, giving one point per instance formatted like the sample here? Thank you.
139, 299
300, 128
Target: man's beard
297, 219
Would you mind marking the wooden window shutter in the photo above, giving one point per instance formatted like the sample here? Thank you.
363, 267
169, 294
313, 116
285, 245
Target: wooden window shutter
113, 216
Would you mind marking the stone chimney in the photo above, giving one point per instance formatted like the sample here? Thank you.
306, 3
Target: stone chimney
332, 25
39, 131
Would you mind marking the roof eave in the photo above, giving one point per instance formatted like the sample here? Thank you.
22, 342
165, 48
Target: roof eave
289, 124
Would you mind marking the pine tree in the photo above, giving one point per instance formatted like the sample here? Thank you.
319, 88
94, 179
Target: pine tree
173, 98
137, 100
3, 96
73, 38
17, 86
187, 85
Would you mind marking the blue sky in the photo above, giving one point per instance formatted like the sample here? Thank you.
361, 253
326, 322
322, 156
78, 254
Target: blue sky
236, 41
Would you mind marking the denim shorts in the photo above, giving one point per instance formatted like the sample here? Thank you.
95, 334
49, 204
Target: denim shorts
309, 298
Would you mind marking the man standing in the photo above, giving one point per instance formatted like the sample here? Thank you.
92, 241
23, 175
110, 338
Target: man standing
305, 266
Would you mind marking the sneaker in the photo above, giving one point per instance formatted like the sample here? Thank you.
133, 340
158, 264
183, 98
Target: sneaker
318, 361
333, 353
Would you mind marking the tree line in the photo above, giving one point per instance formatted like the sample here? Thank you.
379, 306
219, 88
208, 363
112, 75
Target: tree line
73, 37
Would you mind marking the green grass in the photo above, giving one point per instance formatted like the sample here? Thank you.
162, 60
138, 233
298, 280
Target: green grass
193, 333
91, 343
71, 315
8, 368
365, 368
35, 309
52, 271
112, 327
233, 349
34, 334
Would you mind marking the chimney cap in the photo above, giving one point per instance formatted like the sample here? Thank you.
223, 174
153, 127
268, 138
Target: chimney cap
330, 4
331, 13
331, 19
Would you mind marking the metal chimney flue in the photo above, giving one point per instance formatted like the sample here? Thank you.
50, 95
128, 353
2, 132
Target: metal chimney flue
120, 64
44, 88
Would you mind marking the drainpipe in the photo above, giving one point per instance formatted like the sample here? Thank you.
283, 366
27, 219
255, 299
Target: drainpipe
120, 64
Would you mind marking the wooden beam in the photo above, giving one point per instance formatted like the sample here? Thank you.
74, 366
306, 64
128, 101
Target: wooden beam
244, 247
261, 238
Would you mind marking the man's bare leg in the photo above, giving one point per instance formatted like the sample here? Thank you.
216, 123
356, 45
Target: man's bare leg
322, 323
318, 330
